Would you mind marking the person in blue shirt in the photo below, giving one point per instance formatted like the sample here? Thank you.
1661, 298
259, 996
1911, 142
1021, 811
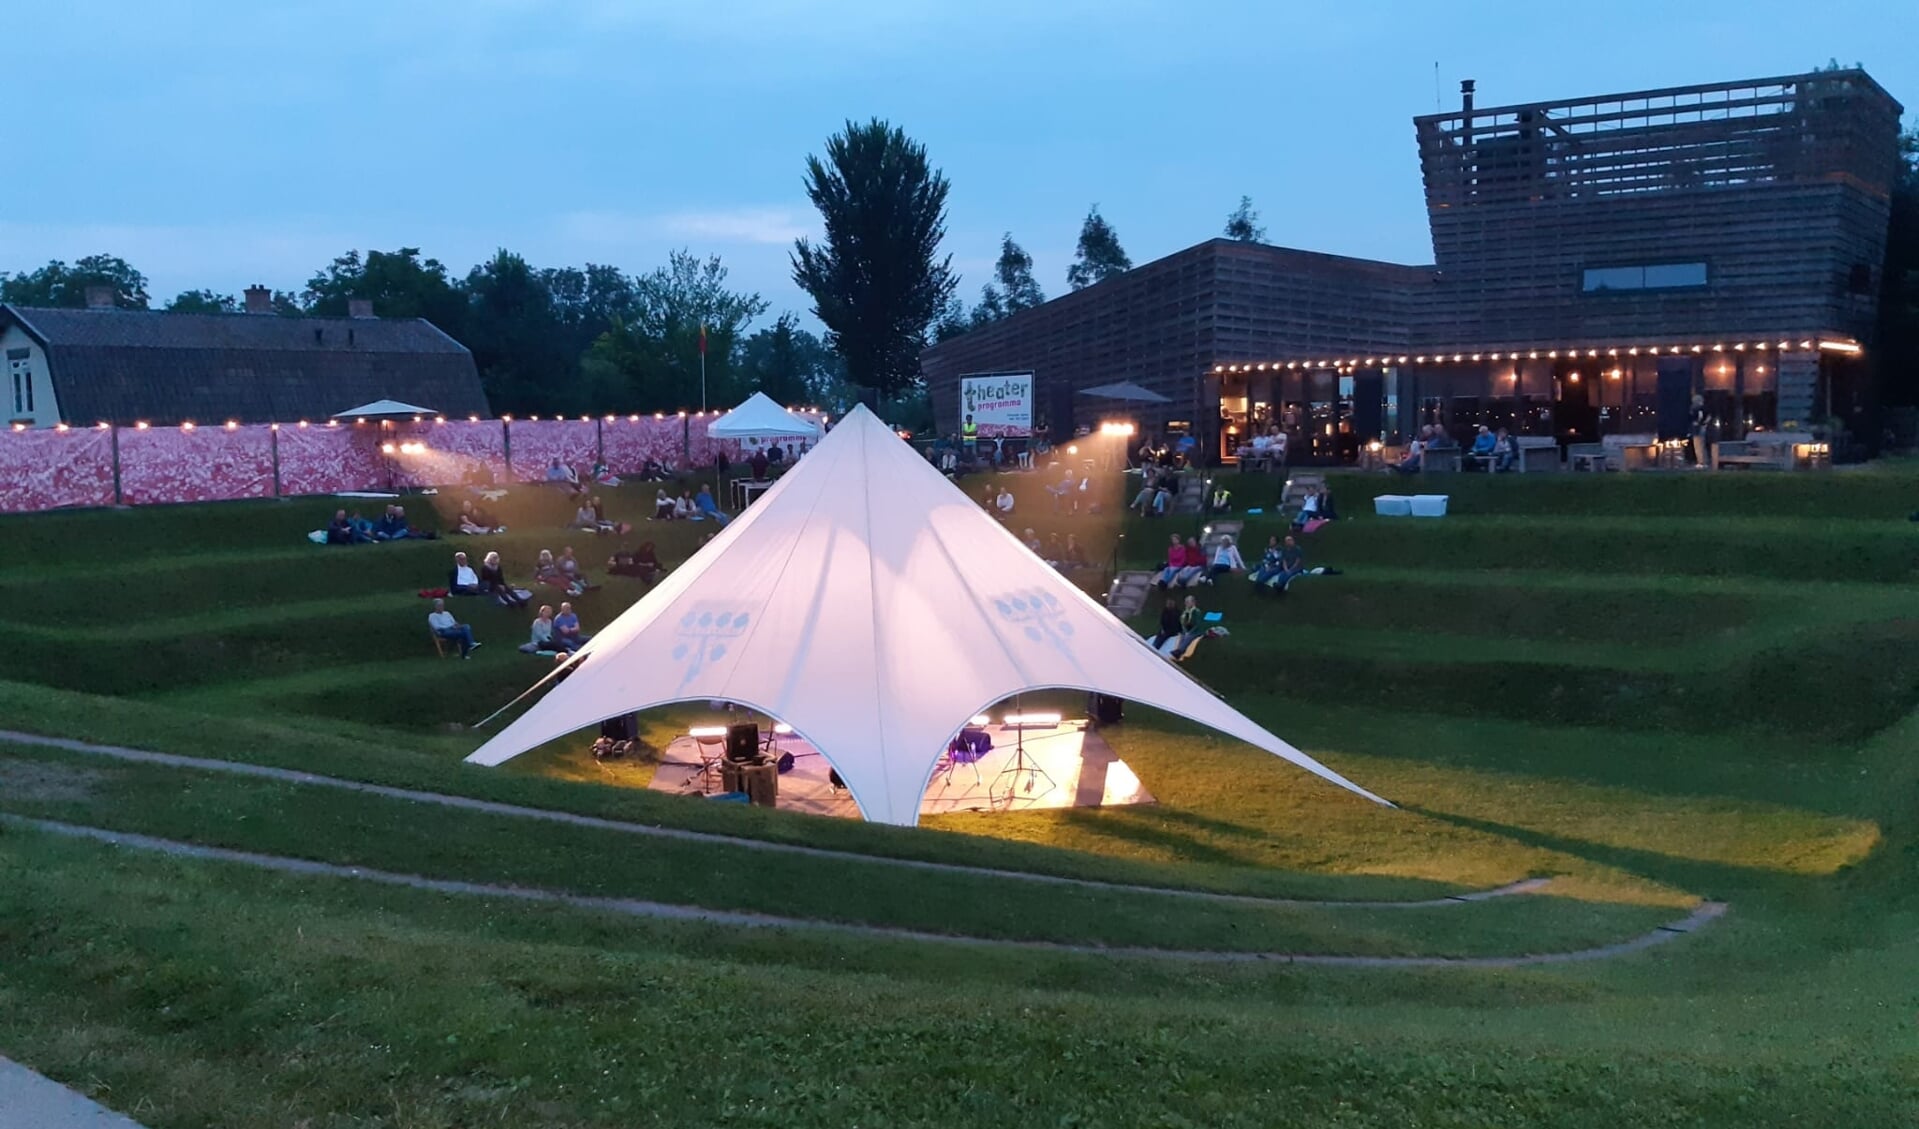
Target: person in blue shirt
566, 630
1484, 444
703, 502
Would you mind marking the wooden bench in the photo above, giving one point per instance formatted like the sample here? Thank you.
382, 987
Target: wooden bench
1588, 456
1534, 453
1752, 453
1441, 460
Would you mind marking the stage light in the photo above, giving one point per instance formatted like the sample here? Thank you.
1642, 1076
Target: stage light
1032, 720
1845, 347
707, 731
387, 447
781, 728
980, 719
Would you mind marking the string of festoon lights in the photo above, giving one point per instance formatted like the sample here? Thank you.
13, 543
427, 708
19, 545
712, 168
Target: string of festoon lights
1783, 345
234, 425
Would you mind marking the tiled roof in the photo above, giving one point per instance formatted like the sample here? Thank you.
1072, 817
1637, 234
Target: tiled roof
127, 365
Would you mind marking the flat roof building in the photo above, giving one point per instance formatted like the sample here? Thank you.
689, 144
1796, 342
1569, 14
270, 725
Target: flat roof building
1596, 264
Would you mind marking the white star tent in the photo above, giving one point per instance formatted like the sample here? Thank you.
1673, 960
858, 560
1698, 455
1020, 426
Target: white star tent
869, 604
761, 417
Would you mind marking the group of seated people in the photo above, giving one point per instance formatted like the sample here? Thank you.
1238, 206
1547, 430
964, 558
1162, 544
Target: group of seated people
487, 580
1180, 626
1316, 506
591, 516
1496, 450
642, 563
688, 507
1189, 565
1070, 491
1159, 487
475, 521
1267, 448
354, 529
555, 634
1066, 555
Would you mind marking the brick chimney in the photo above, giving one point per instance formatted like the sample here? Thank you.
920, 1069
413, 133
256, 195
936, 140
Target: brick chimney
100, 297
259, 299
359, 307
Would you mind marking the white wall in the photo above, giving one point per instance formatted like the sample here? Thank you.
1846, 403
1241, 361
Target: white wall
45, 411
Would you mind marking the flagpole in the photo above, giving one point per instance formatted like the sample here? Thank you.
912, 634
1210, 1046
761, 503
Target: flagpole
702, 366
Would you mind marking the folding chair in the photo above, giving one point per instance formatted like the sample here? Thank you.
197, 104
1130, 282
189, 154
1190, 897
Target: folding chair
439, 644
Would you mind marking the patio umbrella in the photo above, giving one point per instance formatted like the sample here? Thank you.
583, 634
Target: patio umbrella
1126, 390
385, 409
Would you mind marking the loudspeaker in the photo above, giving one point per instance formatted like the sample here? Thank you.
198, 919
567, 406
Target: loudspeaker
625, 727
743, 741
1108, 710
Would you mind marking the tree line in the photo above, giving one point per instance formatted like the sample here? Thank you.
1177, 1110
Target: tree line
545, 339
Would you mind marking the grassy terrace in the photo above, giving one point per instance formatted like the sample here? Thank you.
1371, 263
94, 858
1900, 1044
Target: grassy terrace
1652, 689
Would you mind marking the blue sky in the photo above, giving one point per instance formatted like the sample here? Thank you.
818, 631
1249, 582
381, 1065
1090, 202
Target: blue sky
219, 144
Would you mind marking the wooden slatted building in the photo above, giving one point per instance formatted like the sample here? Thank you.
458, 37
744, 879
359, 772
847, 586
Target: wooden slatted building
1596, 263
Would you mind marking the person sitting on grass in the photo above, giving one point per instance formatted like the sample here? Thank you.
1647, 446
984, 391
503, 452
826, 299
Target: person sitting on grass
476, 521
1292, 564
1071, 556
1317, 506
1269, 563
1004, 502
604, 475
1415, 454
1195, 565
391, 526
707, 507
339, 531
542, 636
569, 567
1226, 558
1163, 497
493, 581
585, 518
663, 506
556, 472
1148, 490
643, 563
546, 570
450, 629
566, 630
1033, 545
683, 508
461, 580
1168, 625
1175, 563
1222, 501
362, 528
1065, 490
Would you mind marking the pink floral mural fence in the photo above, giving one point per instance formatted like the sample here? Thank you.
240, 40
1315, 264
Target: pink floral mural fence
536, 443
629, 444
201, 464
55, 469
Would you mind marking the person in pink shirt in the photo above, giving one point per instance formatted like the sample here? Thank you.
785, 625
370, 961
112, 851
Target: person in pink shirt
1175, 564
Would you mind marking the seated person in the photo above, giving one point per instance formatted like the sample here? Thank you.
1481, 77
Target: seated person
1415, 456
475, 521
1505, 451
1072, 556
1163, 497
1226, 558
606, 525
1484, 442
390, 527
1222, 501
1004, 502
683, 507
663, 506
1148, 489
1188, 625
362, 528
557, 473
493, 582
450, 629
1269, 563
603, 475
462, 580
642, 563
653, 471
707, 508
1316, 506
1064, 490
1175, 563
566, 630
569, 567
339, 531
1168, 625
542, 637
546, 570
585, 518
1289, 562
1195, 565
1032, 542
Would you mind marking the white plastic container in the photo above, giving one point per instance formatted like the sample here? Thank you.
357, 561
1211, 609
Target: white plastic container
1429, 505
1393, 505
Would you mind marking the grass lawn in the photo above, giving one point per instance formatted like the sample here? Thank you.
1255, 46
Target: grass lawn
1651, 689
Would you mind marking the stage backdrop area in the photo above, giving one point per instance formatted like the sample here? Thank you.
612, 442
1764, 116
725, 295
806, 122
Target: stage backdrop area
66, 467
1001, 403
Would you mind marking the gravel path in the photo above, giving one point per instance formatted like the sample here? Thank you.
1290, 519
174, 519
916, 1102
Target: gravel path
468, 803
1706, 913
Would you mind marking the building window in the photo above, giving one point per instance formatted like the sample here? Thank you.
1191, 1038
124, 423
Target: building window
1658, 276
22, 372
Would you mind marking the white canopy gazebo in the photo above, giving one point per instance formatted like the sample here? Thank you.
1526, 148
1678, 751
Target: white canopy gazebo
869, 604
761, 418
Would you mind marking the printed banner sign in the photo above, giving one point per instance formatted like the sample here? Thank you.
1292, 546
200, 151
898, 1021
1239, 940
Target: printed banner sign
1001, 403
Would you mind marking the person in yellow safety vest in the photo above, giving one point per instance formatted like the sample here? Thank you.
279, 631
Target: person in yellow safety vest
969, 433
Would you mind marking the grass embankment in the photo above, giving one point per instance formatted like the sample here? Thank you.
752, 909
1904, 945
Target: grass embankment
1653, 688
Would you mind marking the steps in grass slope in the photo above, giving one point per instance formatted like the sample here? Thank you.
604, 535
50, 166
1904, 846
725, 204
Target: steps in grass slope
493, 807
1699, 918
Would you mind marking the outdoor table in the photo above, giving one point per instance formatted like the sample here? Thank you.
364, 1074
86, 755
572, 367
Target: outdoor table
747, 489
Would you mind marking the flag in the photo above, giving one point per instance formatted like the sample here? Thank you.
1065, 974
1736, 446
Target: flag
702, 339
